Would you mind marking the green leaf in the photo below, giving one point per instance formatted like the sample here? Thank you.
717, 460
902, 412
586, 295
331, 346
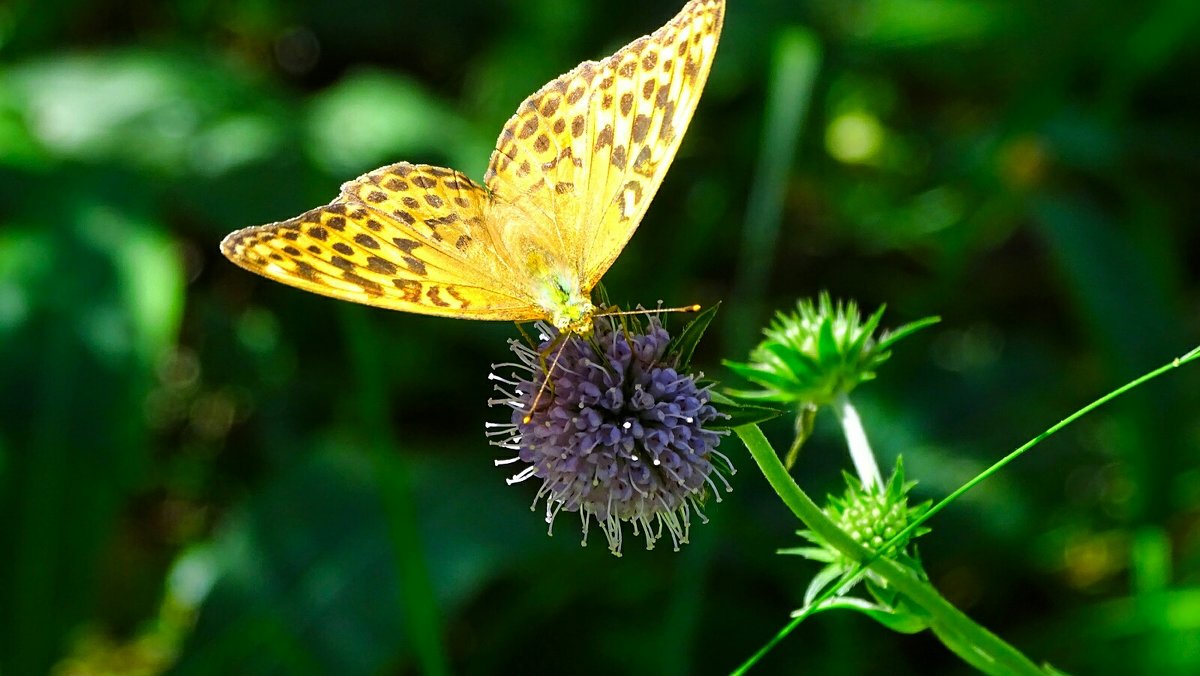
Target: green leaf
904, 331
761, 376
811, 553
684, 344
762, 395
372, 115
600, 296
803, 366
866, 331
827, 348
897, 620
742, 414
822, 581
739, 414
896, 486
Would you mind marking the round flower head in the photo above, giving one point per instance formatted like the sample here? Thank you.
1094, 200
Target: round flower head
617, 434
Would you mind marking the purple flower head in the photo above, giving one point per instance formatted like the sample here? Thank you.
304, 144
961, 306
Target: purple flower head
617, 435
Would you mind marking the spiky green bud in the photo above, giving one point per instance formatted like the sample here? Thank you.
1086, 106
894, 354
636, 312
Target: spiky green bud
820, 351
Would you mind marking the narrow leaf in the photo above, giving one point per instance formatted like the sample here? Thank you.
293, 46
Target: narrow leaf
600, 296
867, 330
904, 331
898, 621
802, 365
827, 347
761, 376
741, 414
684, 343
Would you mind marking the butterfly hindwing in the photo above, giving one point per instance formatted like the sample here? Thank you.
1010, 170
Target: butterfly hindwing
405, 237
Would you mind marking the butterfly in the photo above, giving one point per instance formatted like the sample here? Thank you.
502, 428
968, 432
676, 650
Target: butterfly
572, 174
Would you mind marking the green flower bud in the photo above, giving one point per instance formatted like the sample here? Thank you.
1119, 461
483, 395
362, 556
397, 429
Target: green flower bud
871, 517
822, 350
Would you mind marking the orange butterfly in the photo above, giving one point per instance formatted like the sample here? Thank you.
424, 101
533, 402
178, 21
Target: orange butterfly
571, 177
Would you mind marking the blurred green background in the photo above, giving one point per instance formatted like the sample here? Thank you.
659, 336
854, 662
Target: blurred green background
205, 472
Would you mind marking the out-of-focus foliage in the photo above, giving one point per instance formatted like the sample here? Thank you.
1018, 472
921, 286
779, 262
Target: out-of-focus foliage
201, 470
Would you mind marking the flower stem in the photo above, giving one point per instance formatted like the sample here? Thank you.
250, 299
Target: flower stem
856, 439
976, 645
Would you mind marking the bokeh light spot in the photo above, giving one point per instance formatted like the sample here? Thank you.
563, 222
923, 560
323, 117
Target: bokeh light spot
854, 138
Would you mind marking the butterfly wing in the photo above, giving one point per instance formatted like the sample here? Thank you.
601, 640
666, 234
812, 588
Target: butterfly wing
579, 163
403, 237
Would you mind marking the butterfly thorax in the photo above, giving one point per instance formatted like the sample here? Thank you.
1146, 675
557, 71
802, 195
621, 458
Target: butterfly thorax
568, 307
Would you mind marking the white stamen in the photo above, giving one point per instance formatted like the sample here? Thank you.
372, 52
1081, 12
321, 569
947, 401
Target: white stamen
728, 462
521, 476
716, 493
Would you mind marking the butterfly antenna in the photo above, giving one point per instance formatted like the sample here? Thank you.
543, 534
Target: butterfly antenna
545, 382
613, 312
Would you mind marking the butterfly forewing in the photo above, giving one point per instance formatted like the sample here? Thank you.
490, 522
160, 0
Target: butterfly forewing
659, 81
536, 172
404, 237
447, 211
583, 156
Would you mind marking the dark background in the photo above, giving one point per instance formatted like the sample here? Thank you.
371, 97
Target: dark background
204, 471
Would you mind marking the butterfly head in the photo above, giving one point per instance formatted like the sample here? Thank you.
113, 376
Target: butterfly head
579, 323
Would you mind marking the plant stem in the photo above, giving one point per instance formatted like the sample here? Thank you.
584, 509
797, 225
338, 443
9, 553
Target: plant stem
973, 643
856, 439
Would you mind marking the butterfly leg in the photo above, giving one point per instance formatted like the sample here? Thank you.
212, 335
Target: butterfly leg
541, 355
560, 342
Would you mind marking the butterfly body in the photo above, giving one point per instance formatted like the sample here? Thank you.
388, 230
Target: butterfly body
573, 173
